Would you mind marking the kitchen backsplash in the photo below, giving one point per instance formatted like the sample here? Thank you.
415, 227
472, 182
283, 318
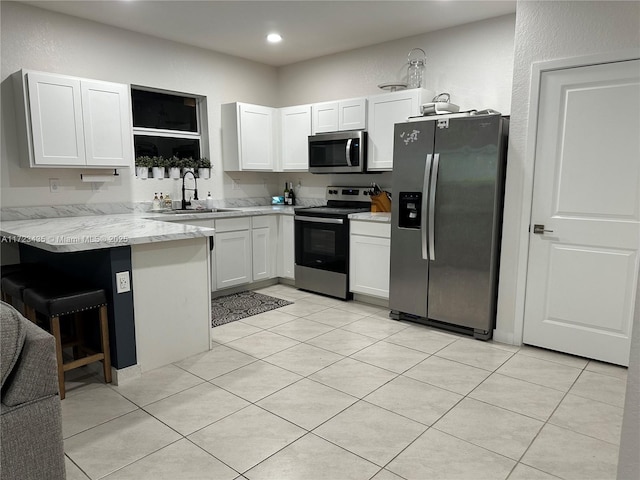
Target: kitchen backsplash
53, 211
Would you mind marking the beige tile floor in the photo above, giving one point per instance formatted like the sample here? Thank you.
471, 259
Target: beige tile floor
324, 389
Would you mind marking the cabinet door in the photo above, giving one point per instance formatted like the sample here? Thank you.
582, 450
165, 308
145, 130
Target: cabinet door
325, 117
256, 137
56, 120
353, 114
262, 264
384, 111
233, 258
369, 265
107, 124
286, 247
295, 124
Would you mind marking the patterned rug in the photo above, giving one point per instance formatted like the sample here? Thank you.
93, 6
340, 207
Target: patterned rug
242, 305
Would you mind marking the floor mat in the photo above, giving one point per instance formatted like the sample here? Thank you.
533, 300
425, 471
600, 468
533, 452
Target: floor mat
236, 306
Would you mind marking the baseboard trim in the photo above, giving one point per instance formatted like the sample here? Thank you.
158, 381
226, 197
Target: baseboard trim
504, 337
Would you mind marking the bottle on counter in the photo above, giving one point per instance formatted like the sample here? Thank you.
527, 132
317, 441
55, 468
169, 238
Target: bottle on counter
209, 201
286, 193
161, 199
292, 195
167, 202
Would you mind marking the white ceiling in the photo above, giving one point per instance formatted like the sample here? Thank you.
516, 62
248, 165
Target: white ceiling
310, 28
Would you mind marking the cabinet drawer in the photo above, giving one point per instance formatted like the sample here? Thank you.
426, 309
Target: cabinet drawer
263, 221
371, 229
232, 224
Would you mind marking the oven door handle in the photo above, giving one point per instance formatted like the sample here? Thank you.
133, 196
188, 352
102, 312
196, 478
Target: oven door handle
301, 218
348, 152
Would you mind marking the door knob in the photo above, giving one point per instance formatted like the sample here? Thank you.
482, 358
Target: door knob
539, 229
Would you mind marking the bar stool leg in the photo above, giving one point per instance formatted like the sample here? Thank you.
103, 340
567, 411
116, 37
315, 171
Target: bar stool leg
55, 330
30, 313
104, 335
79, 335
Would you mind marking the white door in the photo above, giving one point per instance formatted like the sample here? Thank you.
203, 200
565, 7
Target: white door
353, 114
256, 137
108, 136
56, 120
295, 124
260, 250
385, 111
325, 117
233, 258
582, 270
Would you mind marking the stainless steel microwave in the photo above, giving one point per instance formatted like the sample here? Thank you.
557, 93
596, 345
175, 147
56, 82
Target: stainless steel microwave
341, 152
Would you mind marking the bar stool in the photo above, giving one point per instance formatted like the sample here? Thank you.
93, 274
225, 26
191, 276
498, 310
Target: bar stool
17, 277
55, 300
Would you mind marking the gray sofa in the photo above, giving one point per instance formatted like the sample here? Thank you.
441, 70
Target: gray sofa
30, 416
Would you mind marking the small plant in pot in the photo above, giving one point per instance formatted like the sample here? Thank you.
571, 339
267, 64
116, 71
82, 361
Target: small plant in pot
204, 167
174, 166
143, 163
188, 165
159, 164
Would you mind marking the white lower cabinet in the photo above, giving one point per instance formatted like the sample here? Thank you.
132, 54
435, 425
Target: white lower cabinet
249, 249
264, 236
286, 247
233, 252
369, 258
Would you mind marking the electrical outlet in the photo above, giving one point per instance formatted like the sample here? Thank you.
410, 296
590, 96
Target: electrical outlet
54, 185
122, 282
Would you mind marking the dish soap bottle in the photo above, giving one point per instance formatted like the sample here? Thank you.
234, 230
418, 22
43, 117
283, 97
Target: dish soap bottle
209, 201
155, 205
167, 202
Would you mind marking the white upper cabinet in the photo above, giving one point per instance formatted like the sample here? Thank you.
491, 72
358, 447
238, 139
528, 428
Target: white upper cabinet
295, 128
248, 133
74, 122
107, 136
325, 117
384, 111
350, 114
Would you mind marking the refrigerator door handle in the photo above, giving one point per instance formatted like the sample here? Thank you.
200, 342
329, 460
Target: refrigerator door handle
432, 207
425, 206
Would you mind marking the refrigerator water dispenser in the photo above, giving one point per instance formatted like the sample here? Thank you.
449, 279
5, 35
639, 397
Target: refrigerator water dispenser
410, 206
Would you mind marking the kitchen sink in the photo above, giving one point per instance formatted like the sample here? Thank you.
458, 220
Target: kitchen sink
194, 211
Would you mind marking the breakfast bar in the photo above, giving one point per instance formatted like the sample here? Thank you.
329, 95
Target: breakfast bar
167, 268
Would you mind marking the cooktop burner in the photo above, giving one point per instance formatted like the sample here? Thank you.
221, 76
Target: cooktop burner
341, 201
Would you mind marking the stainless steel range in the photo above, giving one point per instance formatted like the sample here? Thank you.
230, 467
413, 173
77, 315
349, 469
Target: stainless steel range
322, 241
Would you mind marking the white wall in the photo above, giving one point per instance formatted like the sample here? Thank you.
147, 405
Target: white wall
472, 62
37, 39
546, 31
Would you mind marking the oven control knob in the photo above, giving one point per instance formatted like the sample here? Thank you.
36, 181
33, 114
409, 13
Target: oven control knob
366, 192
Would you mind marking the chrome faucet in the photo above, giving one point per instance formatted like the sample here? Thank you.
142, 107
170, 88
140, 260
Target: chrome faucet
194, 189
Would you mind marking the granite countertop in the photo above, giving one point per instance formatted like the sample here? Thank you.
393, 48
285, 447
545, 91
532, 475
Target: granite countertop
73, 234
384, 217
229, 212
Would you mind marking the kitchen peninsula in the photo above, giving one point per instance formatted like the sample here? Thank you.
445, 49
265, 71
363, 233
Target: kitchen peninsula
166, 315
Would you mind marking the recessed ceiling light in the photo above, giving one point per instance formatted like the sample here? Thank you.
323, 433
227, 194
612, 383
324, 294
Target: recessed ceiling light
274, 38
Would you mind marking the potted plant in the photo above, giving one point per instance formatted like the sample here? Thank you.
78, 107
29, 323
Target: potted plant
158, 166
204, 167
143, 164
188, 165
174, 167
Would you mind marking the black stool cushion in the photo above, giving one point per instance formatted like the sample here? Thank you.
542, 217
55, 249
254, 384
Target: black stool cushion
15, 280
11, 269
58, 299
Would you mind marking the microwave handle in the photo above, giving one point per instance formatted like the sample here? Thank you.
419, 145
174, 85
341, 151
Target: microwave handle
348, 152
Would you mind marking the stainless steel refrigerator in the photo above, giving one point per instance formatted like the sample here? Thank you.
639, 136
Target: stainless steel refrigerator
448, 182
